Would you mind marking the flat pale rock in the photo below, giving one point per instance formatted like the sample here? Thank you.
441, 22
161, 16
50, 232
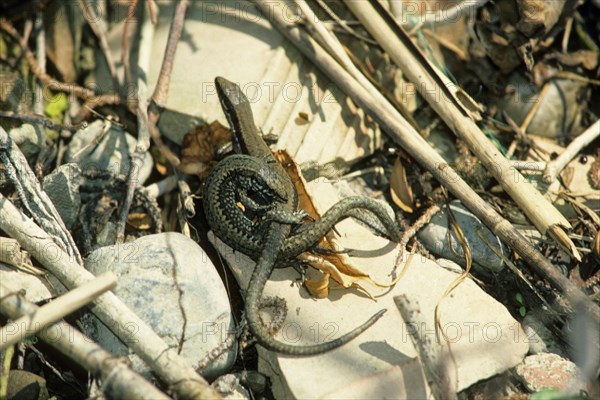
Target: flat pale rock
36, 288
290, 98
381, 362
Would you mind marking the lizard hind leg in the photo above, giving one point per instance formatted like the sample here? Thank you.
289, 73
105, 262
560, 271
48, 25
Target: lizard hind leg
262, 272
299, 265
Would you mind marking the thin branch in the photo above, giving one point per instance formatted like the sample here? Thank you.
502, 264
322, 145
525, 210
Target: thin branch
412, 231
152, 11
40, 48
164, 77
38, 106
343, 23
88, 95
336, 49
28, 325
173, 369
39, 120
130, 22
147, 123
424, 154
528, 165
118, 381
102, 100
445, 15
554, 167
451, 105
89, 13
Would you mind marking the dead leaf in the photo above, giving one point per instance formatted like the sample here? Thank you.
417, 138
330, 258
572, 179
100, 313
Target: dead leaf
293, 170
161, 168
336, 266
320, 287
199, 147
400, 190
302, 119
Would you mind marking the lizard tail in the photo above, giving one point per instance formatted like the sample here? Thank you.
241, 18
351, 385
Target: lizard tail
261, 274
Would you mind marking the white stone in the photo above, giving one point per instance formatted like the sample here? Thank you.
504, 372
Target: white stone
146, 269
36, 288
105, 147
540, 338
28, 138
434, 236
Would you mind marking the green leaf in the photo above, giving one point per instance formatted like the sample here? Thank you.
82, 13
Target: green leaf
519, 298
56, 107
522, 311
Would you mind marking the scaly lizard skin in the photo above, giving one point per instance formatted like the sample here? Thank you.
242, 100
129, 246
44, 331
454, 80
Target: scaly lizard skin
254, 178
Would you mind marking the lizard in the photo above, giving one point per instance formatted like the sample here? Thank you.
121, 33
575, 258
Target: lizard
254, 177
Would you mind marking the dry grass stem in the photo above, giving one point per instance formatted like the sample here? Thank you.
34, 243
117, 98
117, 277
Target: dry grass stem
424, 154
54, 311
163, 360
117, 380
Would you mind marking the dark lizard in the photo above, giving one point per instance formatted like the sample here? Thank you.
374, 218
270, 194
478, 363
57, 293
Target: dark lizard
254, 178
226, 187
225, 184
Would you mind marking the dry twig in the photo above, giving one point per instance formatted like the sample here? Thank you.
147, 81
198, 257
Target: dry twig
422, 152
38, 119
430, 351
148, 119
29, 325
92, 99
442, 96
33, 197
554, 167
117, 380
163, 360
98, 27
412, 231
342, 23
